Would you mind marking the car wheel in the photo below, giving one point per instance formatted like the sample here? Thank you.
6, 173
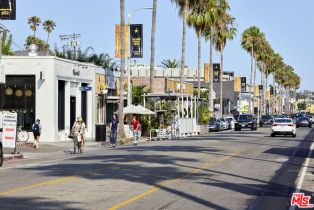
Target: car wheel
1, 156
297, 126
272, 135
235, 129
252, 129
260, 125
294, 135
310, 126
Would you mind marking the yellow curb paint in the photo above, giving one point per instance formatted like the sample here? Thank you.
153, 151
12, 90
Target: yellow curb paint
163, 183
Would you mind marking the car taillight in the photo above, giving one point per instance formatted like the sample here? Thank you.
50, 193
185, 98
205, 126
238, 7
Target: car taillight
290, 124
274, 125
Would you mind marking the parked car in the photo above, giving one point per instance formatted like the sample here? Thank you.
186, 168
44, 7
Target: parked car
303, 122
311, 118
283, 126
231, 121
245, 121
266, 120
217, 125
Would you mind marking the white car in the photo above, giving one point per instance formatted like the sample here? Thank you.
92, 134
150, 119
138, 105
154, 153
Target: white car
283, 126
231, 121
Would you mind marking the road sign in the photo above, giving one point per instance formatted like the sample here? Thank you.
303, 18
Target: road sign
85, 88
9, 130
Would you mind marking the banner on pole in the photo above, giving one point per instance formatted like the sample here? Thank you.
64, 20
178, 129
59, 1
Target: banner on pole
243, 84
206, 72
136, 40
9, 130
118, 41
8, 9
216, 67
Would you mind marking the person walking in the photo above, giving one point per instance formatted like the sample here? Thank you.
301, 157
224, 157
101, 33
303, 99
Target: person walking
36, 128
136, 129
78, 129
113, 130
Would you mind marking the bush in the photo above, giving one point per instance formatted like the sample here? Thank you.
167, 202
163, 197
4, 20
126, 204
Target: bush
204, 114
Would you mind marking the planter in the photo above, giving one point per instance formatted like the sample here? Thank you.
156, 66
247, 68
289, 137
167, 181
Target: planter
32, 49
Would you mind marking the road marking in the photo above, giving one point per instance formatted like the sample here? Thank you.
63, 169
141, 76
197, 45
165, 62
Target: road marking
165, 182
51, 182
303, 172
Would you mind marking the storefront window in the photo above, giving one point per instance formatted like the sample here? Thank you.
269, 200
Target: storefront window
18, 94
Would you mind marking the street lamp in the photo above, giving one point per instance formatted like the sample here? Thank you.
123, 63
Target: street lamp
129, 66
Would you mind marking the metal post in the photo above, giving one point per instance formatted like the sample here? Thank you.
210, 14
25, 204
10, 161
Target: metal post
129, 68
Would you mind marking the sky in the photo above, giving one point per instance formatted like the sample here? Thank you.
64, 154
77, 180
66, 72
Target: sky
287, 24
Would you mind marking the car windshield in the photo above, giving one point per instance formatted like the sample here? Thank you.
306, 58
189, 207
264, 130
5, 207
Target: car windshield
266, 117
303, 118
283, 121
212, 122
245, 117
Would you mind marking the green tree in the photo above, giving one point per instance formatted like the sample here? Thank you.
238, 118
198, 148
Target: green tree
302, 106
225, 30
34, 22
49, 26
41, 44
122, 70
250, 41
170, 64
152, 47
6, 44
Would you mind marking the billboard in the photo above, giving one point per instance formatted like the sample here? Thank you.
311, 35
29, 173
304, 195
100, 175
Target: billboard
118, 41
136, 40
7, 9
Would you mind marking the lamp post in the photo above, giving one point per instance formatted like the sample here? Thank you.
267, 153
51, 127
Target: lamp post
129, 66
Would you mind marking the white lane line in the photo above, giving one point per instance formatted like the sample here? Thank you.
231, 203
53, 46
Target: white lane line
303, 172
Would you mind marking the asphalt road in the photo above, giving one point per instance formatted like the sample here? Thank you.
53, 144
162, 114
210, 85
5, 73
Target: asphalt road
226, 170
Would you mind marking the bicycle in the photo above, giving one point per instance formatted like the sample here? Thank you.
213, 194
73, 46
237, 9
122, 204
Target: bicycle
22, 135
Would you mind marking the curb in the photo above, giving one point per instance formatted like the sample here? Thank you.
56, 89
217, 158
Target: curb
13, 157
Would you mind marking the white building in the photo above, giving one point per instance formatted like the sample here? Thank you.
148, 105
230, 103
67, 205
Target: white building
51, 89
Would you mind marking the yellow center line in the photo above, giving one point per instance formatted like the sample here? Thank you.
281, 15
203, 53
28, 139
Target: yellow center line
168, 181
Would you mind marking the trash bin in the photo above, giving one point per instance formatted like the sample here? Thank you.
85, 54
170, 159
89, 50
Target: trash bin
100, 133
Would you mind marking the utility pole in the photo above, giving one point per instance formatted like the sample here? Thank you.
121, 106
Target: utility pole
72, 41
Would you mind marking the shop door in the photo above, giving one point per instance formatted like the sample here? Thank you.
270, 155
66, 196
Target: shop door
72, 110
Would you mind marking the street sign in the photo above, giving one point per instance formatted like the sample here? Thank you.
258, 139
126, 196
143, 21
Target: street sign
9, 130
85, 88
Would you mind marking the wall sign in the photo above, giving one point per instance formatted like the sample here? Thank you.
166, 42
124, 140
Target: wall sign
76, 72
9, 130
85, 88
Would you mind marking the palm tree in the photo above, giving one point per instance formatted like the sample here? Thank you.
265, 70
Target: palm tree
214, 9
251, 39
34, 22
49, 26
122, 71
198, 20
6, 44
184, 6
152, 47
224, 30
170, 64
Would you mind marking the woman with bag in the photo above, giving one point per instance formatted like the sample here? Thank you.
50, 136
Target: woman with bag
78, 129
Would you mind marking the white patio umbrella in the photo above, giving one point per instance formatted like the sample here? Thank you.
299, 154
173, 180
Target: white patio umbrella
137, 110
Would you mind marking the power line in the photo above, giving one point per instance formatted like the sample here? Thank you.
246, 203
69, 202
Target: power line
71, 41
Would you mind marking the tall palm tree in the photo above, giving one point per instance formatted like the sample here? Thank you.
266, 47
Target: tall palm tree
34, 22
198, 20
170, 64
225, 30
184, 6
250, 41
215, 9
152, 48
122, 71
49, 26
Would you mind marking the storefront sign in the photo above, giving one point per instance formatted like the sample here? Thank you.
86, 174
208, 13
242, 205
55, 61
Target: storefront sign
85, 88
111, 83
76, 72
136, 44
9, 130
8, 9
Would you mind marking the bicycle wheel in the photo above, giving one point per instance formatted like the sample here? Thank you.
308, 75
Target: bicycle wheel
22, 136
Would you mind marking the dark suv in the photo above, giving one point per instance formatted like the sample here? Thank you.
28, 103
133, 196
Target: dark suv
266, 120
245, 121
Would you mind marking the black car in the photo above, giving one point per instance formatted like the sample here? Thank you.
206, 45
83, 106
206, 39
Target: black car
303, 122
266, 120
245, 121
